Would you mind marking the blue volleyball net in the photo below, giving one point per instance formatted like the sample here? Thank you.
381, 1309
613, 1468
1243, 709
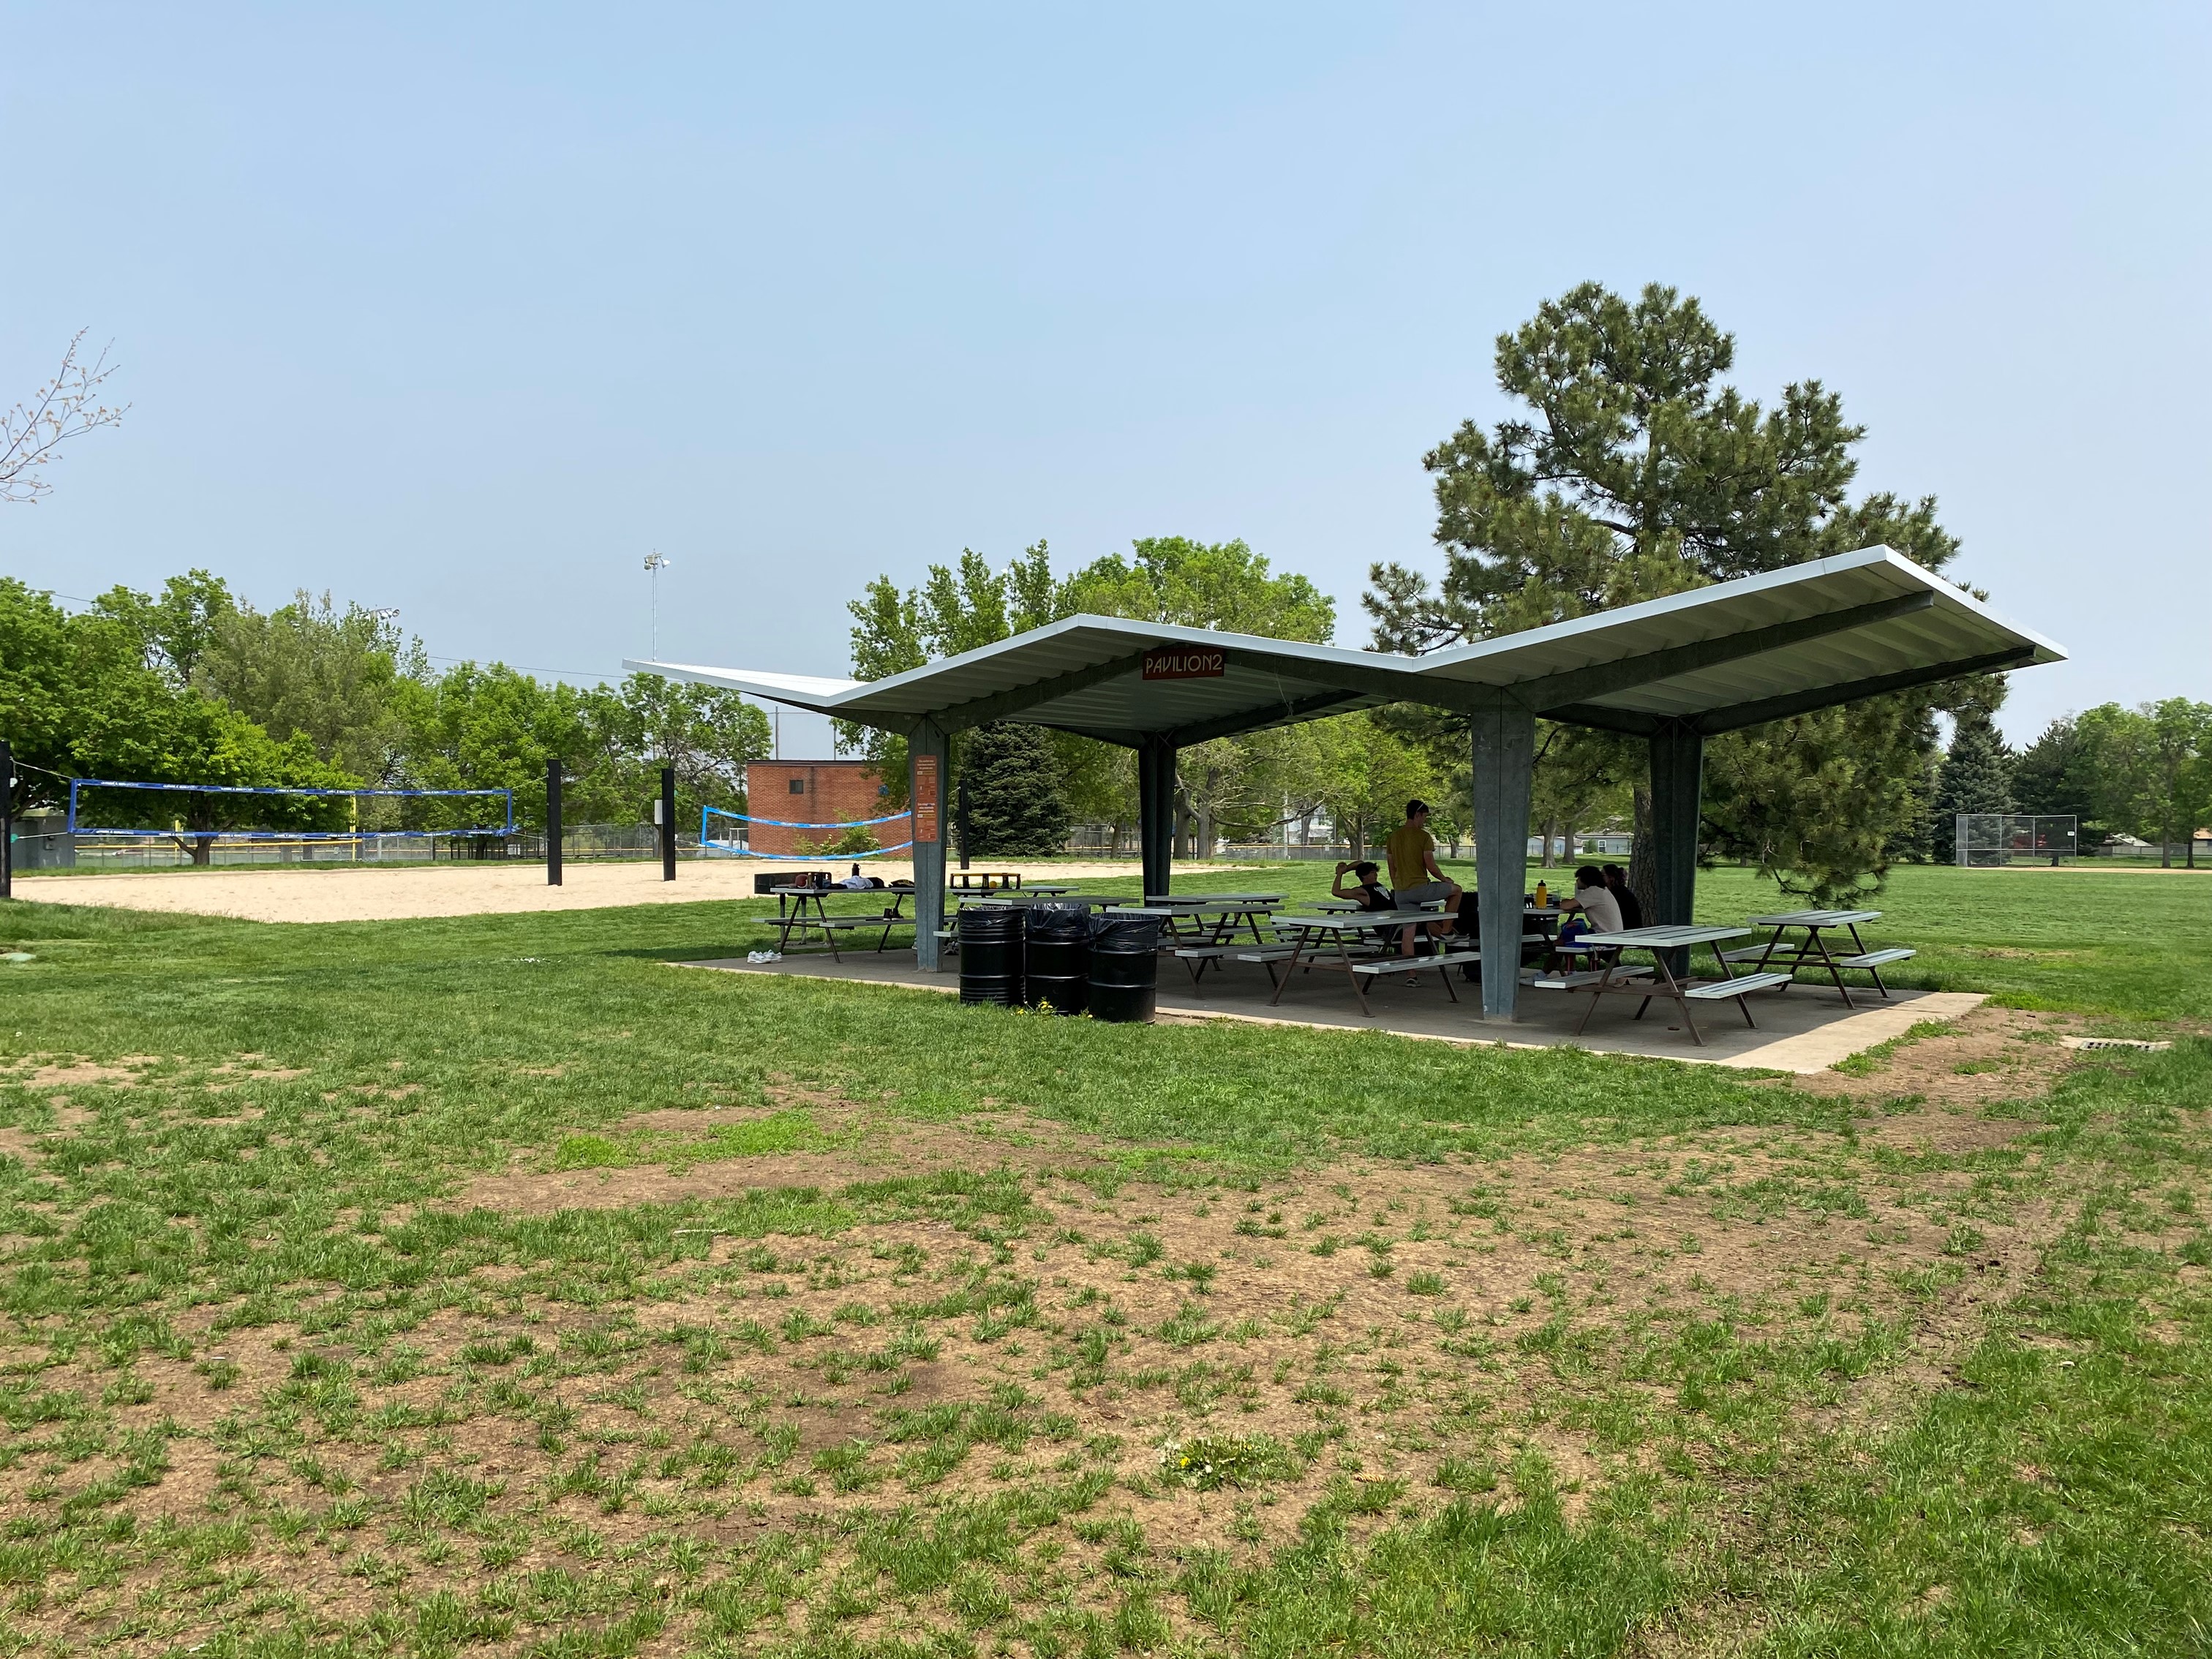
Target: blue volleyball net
125, 810
736, 843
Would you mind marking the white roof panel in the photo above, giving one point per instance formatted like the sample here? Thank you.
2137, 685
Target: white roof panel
1827, 629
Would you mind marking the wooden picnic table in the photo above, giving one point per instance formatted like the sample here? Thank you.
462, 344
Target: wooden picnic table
1634, 980
1814, 952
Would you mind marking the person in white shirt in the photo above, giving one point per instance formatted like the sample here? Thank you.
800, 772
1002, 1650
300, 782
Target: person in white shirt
1594, 900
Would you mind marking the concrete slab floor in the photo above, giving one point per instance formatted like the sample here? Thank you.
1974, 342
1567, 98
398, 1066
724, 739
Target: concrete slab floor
1804, 1028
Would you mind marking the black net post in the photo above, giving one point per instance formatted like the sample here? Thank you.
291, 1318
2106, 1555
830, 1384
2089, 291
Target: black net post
553, 822
7, 820
668, 823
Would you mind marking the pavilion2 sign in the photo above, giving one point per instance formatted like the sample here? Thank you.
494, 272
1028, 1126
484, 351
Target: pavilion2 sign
1184, 662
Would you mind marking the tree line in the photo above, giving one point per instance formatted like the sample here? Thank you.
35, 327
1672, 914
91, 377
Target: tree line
2145, 772
1018, 788
194, 685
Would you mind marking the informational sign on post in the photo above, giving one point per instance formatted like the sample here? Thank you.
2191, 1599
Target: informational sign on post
925, 800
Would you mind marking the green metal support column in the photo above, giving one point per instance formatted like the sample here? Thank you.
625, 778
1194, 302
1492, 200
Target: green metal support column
928, 752
1677, 769
1156, 778
1504, 750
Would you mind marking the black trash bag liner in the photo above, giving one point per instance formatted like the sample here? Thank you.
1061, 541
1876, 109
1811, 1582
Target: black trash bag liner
1125, 934
1062, 919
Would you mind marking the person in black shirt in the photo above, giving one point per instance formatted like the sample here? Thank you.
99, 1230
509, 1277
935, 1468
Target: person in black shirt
1367, 892
1631, 907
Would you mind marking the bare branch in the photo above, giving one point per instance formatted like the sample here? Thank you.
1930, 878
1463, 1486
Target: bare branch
32, 433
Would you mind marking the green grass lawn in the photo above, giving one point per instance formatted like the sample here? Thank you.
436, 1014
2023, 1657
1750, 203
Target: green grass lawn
489, 1286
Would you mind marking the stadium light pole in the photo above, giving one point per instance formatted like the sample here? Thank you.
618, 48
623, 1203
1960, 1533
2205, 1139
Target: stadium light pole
655, 564
553, 822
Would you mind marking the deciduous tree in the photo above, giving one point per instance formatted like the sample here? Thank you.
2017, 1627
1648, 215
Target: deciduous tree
67, 406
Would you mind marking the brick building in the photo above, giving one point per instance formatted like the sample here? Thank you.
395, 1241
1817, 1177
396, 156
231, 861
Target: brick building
815, 791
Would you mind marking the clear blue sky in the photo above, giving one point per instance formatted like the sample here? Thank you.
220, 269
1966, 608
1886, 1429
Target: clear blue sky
464, 309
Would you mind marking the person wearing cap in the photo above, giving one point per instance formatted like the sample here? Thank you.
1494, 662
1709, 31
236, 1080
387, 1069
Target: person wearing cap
1414, 876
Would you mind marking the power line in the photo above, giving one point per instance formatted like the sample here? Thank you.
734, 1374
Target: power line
565, 673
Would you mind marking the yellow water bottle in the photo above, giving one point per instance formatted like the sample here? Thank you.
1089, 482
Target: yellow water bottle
1543, 895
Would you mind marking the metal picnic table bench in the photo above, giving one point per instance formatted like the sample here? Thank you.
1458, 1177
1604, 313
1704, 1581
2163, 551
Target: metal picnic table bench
1813, 951
1636, 980
799, 920
1339, 929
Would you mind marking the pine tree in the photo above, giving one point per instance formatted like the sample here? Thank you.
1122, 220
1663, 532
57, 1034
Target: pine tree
1976, 777
1016, 808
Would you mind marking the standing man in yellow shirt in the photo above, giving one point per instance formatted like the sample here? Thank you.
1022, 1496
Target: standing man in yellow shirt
1414, 877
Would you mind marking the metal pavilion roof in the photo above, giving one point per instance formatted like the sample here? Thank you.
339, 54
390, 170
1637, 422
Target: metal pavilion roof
1722, 657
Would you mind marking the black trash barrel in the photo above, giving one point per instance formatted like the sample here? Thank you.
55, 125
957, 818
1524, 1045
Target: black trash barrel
1125, 967
1057, 960
991, 954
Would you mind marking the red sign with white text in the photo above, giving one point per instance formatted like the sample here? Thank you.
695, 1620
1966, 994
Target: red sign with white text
1184, 662
925, 800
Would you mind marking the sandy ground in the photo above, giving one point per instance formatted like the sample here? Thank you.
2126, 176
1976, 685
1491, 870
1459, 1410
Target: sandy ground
461, 890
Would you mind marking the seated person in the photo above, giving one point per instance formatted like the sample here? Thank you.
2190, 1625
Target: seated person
1631, 907
856, 883
1367, 892
1594, 900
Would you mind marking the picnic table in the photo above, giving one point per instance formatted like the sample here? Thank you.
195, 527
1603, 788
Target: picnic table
1341, 930
981, 881
1615, 978
798, 919
1813, 951
1188, 899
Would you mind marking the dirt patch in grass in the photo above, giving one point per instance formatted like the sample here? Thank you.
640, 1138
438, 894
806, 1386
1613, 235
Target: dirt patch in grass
74, 1071
1366, 1340
1348, 1312
1989, 1055
874, 1148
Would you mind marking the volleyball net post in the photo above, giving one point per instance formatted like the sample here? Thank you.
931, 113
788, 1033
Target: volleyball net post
666, 816
553, 822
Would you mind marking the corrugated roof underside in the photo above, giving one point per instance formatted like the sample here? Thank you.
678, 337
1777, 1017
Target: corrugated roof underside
1903, 644
1512, 658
